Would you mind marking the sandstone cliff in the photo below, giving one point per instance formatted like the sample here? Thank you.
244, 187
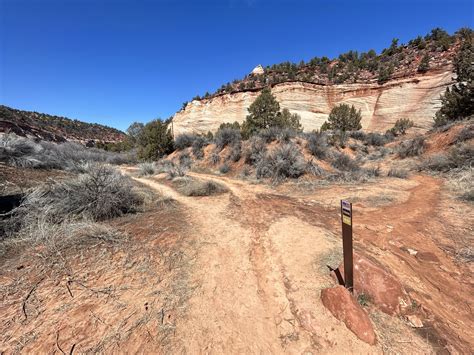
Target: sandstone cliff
415, 97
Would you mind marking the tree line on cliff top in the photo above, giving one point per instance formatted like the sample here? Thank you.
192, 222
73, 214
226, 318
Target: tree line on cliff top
155, 139
350, 66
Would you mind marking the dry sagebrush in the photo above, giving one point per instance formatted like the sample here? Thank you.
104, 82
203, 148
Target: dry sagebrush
101, 192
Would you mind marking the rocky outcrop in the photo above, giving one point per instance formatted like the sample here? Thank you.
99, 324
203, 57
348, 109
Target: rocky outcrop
379, 285
345, 308
415, 97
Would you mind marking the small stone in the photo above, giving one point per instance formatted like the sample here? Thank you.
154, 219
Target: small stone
414, 321
412, 251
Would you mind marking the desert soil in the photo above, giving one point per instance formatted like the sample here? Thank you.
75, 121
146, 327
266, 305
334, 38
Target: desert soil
251, 265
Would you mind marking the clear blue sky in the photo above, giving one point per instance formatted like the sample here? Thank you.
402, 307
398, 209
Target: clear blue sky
117, 61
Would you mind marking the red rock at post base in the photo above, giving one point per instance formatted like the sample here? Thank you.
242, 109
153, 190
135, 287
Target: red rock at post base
344, 307
383, 289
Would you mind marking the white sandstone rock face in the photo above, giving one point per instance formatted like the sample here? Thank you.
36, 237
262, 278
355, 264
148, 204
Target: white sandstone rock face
416, 97
258, 70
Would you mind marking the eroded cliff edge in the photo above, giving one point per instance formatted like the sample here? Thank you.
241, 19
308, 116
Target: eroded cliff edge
416, 97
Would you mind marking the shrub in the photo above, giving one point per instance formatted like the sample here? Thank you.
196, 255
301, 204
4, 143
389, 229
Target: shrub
379, 154
313, 168
317, 144
461, 182
398, 173
338, 139
199, 143
270, 134
401, 126
25, 153
424, 65
100, 193
359, 135
215, 158
462, 156
145, 169
412, 147
227, 136
372, 171
224, 168
185, 161
437, 162
195, 187
235, 152
376, 139
458, 157
285, 162
343, 162
466, 133
255, 150
176, 170
184, 141
385, 73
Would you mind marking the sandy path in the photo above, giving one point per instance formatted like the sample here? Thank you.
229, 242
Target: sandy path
259, 273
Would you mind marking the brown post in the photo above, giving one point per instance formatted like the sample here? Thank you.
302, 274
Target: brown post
346, 219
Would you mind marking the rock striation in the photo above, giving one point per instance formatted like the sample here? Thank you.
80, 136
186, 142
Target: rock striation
416, 97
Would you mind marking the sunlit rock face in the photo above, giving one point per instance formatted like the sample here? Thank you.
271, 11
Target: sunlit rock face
416, 97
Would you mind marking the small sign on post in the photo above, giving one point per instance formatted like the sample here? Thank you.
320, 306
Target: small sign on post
346, 219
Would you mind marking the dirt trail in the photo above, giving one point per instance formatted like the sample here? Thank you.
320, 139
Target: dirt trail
261, 265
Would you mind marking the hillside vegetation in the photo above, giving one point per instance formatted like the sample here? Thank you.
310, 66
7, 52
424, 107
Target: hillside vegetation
55, 128
434, 50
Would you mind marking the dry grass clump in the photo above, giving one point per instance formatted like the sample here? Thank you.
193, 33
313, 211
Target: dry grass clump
195, 187
56, 237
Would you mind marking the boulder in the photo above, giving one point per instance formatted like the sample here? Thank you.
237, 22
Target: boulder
344, 307
382, 288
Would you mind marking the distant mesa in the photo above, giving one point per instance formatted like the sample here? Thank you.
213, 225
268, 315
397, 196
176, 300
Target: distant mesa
258, 70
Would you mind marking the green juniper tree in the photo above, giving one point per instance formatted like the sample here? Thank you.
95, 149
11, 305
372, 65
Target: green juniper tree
424, 64
344, 118
155, 140
458, 101
263, 113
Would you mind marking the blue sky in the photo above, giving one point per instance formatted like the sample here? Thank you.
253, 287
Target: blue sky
119, 61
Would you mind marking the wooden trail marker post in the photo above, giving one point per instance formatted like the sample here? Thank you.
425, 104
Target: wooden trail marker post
346, 219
